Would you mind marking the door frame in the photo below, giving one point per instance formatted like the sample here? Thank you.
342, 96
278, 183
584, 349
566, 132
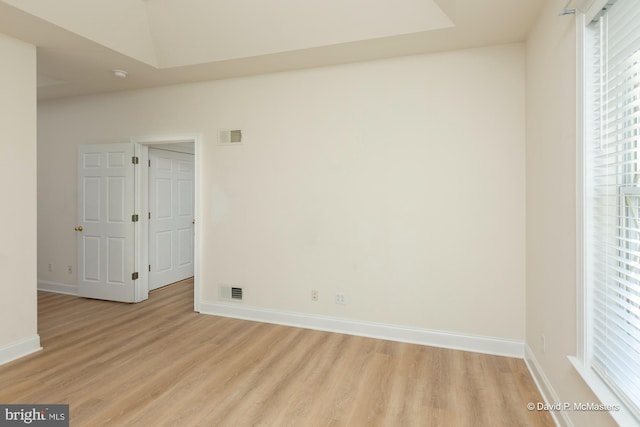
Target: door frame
142, 206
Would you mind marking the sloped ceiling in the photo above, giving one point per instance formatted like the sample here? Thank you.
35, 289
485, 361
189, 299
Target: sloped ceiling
236, 29
161, 42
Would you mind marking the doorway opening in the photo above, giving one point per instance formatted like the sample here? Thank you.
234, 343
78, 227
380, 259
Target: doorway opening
167, 197
171, 213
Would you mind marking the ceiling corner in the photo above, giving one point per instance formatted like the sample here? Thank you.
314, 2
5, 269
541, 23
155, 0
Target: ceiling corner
449, 8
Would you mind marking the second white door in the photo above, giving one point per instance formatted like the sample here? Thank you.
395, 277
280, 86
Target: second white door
171, 215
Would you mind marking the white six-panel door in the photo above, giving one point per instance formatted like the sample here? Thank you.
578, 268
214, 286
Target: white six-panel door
105, 233
171, 213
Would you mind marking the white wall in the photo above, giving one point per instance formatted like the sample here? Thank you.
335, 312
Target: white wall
551, 211
18, 308
398, 182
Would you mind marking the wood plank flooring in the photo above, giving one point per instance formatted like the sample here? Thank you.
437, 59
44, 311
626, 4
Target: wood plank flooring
158, 363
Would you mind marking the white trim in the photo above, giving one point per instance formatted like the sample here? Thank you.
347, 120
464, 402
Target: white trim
592, 8
142, 227
547, 391
199, 217
19, 349
58, 288
581, 220
623, 415
456, 341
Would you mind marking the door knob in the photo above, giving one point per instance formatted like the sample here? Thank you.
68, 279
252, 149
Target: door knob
79, 228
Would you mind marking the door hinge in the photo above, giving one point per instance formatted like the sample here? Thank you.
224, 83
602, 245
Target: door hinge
135, 218
134, 276
149, 215
149, 163
149, 267
135, 160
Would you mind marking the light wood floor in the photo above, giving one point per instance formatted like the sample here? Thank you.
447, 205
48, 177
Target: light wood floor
158, 363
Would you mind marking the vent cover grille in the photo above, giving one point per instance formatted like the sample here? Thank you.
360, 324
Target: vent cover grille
233, 136
231, 293
236, 293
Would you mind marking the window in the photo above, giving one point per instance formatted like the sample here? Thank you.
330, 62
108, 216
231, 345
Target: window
612, 199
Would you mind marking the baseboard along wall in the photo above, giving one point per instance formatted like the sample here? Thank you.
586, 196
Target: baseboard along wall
455, 341
18, 349
58, 288
547, 391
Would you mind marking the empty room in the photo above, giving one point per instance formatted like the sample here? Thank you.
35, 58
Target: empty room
301, 213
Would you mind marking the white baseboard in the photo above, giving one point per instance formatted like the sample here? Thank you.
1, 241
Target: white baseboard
475, 343
546, 389
58, 288
19, 349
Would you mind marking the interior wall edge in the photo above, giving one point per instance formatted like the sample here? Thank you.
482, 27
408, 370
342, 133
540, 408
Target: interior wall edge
19, 349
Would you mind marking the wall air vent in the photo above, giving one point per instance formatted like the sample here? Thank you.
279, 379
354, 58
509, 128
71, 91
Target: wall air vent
230, 137
236, 293
230, 293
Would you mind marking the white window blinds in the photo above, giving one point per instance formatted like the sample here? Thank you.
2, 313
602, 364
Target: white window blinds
613, 191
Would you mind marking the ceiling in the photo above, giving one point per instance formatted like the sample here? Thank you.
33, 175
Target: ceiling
161, 42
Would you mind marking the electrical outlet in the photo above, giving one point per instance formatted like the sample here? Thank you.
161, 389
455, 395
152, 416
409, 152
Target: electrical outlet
69, 269
50, 267
314, 295
340, 299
